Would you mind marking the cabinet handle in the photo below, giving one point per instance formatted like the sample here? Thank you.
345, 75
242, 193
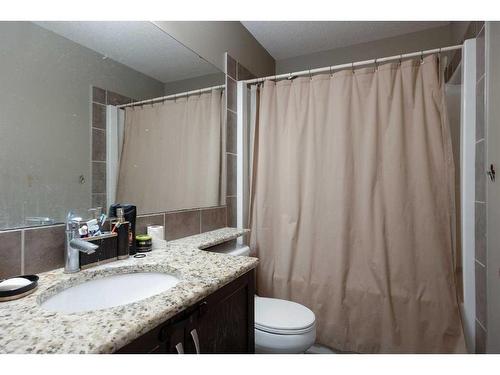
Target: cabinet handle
180, 348
196, 341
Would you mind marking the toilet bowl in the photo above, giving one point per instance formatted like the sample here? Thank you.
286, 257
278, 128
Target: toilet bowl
283, 326
280, 326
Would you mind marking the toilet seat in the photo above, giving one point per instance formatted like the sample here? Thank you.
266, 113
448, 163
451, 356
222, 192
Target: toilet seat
286, 332
282, 317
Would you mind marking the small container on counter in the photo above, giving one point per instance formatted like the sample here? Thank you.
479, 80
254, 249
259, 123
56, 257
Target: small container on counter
143, 243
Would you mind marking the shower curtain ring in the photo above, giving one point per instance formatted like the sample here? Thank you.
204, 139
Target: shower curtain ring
331, 72
421, 57
376, 65
310, 76
352, 67
400, 59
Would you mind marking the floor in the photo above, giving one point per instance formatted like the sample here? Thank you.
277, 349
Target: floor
320, 349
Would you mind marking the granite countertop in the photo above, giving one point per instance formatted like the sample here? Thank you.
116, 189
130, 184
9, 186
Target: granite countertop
25, 327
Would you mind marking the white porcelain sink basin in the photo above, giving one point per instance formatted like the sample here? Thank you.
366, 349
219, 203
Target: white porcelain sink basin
110, 291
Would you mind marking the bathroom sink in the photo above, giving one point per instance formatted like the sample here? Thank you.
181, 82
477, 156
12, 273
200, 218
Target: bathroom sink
110, 291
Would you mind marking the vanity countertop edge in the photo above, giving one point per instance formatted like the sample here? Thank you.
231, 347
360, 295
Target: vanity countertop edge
25, 327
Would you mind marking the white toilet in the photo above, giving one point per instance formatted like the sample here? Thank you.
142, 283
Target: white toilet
280, 326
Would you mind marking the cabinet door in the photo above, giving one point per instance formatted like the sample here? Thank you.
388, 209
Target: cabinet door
165, 339
224, 321
149, 343
173, 337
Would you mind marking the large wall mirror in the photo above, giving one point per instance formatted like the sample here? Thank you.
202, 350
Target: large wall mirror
73, 137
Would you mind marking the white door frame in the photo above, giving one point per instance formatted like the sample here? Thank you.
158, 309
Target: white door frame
115, 122
467, 188
242, 183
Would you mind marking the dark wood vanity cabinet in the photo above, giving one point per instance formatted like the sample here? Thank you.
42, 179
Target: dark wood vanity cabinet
222, 322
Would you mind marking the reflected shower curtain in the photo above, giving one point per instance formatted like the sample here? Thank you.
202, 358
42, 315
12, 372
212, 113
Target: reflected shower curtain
171, 156
352, 206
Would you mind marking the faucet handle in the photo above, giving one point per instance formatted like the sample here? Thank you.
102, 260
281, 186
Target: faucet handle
72, 221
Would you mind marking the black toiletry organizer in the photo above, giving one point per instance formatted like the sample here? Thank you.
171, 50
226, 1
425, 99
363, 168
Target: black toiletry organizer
112, 246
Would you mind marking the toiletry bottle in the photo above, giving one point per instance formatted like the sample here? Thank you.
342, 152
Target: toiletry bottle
129, 215
123, 246
122, 221
83, 231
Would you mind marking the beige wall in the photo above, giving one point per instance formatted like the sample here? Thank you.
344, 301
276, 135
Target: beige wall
458, 30
210, 39
426, 39
201, 82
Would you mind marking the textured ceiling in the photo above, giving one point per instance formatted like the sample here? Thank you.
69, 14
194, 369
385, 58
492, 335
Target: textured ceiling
140, 45
284, 39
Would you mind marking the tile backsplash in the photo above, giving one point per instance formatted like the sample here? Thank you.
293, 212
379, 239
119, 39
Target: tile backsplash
10, 253
43, 249
40, 249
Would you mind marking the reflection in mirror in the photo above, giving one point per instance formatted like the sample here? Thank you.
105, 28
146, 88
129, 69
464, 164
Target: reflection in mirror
170, 157
62, 133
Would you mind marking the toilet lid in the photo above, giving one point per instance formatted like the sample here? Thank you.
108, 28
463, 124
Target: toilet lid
282, 317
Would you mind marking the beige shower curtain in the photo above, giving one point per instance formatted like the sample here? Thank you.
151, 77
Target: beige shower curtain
352, 206
172, 156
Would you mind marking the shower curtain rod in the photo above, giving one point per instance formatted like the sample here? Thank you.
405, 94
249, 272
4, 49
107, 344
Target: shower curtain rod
353, 65
172, 96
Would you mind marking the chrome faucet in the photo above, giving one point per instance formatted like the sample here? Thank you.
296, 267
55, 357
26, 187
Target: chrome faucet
74, 244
